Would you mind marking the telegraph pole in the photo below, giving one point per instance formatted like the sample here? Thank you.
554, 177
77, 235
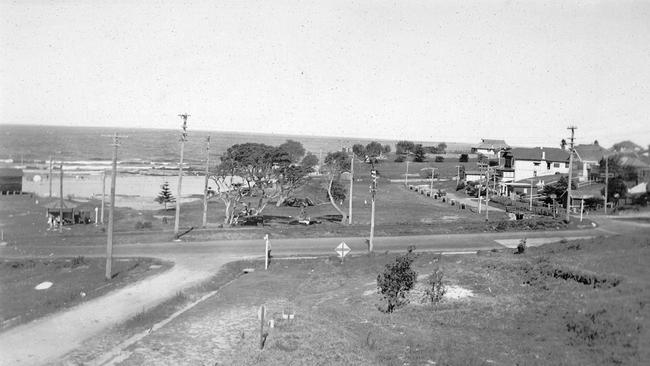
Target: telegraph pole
50, 176
180, 174
351, 184
487, 193
205, 187
373, 190
568, 196
606, 180
109, 237
61, 196
103, 195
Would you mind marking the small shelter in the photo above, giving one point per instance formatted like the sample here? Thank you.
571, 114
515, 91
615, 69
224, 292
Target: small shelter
11, 181
54, 209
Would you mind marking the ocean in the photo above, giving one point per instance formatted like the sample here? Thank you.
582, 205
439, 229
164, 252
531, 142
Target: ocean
91, 146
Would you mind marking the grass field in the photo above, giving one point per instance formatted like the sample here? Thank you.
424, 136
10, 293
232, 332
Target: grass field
74, 280
571, 303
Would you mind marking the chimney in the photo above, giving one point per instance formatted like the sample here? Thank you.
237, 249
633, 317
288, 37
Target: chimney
543, 154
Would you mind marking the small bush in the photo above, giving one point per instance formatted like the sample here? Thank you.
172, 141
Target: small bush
521, 247
435, 289
78, 261
464, 158
439, 159
396, 281
143, 225
400, 159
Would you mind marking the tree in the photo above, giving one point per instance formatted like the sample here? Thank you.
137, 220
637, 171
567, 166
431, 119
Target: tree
596, 142
442, 148
385, 149
255, 170
464, 158
616, 189
419, 154
404, 147
293, 149
165, 196
309, 162
558, 189
396, 281
359, 150
373, 149
335, 164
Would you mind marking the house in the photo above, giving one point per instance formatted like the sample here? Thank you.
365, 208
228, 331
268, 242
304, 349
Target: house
588, 157
11, 181
523, 163
490, 147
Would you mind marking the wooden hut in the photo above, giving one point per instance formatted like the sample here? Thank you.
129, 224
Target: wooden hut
54, 209
11, 181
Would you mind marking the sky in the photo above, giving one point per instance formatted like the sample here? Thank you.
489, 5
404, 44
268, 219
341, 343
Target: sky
426, 70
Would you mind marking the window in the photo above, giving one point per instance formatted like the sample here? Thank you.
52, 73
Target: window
566, 165
556, 165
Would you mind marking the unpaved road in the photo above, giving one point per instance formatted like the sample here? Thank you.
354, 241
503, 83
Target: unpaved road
47, 339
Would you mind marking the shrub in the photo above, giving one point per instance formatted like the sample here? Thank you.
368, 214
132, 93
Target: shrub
464, 158
435, 289
439, 159
143, 225
521, 247
78, 261
400, 158
396, 281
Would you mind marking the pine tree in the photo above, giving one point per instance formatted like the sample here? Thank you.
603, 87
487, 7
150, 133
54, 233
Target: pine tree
165, 196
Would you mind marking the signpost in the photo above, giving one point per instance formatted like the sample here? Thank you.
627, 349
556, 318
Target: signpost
342, 250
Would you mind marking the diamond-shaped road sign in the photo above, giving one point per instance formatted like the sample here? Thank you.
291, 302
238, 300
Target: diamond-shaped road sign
343, 249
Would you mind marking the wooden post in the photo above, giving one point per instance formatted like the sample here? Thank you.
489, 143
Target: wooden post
531, 196
582, 207
205, 187
180, 175
61, 197
262, 311
266, 252
487, 193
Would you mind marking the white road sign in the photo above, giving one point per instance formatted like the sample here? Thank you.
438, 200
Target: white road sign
343, 249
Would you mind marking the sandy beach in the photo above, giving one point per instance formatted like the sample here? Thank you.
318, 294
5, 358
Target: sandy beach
135, 191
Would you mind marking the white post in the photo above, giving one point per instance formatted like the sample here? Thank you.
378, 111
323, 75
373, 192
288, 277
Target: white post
606, 181
205, 187
96, 215
177, 218
103, 194
266, 252
582, 207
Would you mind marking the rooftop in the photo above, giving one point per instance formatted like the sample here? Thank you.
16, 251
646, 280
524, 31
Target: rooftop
540, 153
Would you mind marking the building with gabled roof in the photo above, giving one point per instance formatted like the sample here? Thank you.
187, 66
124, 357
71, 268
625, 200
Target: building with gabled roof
490, 147
532, 162
588, 156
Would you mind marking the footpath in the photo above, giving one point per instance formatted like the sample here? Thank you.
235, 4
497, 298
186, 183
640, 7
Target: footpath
45, 340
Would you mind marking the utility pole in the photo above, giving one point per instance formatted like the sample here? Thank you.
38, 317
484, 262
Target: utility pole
606, 180
180, 174
478, 194
351, 184
568, 196
205, 187
50, 176
373, 191
61, 196
457, 175
103, 195
487, 192
530, 207
111, 209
